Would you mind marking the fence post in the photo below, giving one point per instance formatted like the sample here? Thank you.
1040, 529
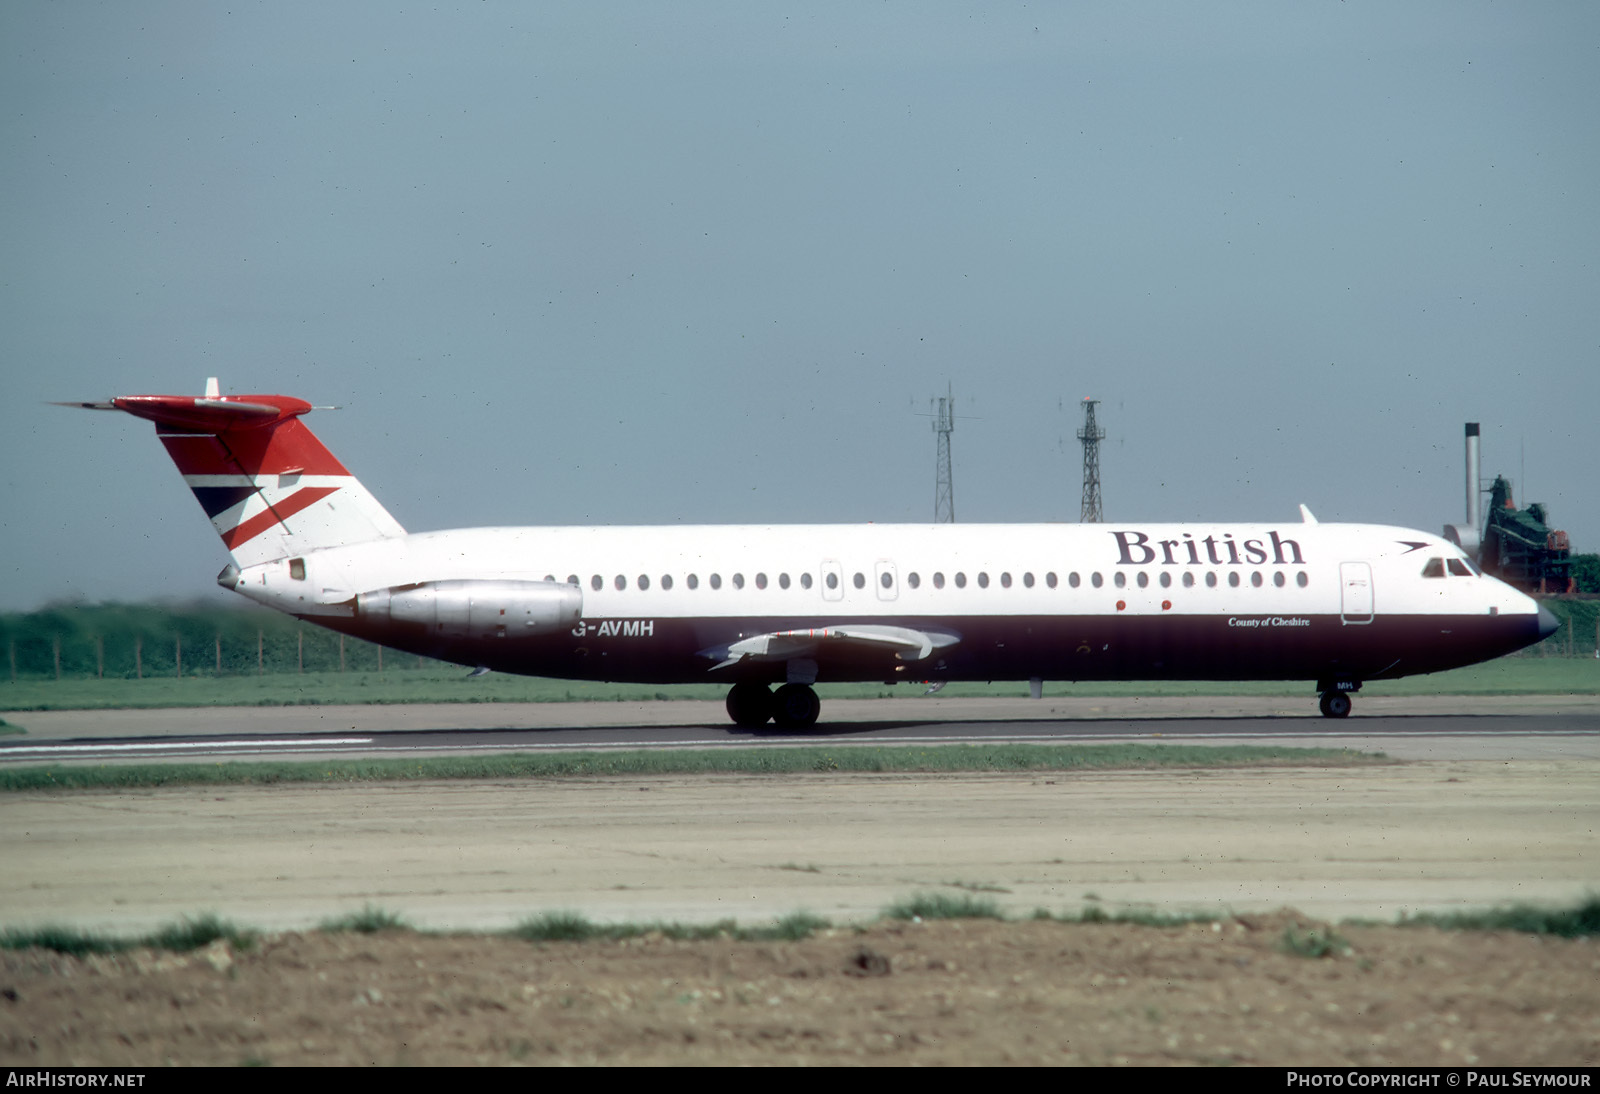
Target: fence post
55, 645
138, 656
99, 657
300, 651
219, 653
261, 645
177, 654
341, 653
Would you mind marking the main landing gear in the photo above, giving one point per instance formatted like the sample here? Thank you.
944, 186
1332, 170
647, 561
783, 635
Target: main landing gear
793, 706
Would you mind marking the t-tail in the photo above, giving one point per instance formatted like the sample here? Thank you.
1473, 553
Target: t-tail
271, 489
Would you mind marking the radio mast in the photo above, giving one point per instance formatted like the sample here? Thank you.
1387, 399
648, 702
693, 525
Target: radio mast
944, 424
1091, 435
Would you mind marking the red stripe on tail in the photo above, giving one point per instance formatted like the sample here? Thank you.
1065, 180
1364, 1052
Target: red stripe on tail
247, 530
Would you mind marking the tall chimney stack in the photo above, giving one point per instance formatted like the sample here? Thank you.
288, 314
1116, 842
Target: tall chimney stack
1474, 515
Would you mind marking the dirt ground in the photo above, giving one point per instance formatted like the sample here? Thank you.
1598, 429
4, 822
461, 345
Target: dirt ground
936, 993
1337, 843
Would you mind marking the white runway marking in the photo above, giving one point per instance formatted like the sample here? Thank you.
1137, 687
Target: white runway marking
180, 745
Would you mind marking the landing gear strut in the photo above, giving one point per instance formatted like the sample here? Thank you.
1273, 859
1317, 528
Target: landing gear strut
793, 706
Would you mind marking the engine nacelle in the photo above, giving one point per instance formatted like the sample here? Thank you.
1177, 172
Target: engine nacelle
477, 609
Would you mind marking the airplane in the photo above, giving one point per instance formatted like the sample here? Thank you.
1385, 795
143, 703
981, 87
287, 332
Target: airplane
758, 606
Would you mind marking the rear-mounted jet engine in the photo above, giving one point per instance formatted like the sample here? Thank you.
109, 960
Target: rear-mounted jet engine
477, 609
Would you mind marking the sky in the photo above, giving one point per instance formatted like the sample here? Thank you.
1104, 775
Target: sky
643, 263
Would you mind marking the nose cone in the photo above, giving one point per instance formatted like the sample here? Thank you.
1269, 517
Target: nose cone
1548, 623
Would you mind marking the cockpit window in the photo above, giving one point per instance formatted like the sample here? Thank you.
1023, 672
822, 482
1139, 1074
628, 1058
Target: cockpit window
1459, 568
1434, 568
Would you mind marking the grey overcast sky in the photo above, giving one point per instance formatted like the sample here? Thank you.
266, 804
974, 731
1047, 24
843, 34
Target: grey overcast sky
633, 263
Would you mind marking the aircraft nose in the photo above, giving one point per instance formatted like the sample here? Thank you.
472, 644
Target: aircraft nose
1548, 623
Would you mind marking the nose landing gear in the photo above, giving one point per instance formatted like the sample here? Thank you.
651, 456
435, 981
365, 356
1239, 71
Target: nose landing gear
1335, 701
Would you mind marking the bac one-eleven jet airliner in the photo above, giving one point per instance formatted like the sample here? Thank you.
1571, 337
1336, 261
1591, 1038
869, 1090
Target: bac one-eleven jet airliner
758, 606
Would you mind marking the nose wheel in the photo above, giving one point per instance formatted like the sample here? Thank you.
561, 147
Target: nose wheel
1335, 704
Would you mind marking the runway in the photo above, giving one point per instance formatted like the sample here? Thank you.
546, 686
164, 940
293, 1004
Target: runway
1493, 727
1489, 808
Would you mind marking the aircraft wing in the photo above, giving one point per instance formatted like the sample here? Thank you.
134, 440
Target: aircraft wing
904, 643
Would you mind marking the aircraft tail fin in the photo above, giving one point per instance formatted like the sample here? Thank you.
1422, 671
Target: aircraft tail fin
271, 489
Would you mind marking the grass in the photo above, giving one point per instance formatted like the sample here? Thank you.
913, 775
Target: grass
190, 933
369, 920
1581, 921
925, 906
574, 927
711, 761
1521, 675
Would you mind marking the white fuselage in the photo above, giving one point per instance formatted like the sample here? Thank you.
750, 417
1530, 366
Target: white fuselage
1349, 598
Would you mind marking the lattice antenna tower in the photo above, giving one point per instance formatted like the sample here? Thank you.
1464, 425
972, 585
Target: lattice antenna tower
944, 424
1091, 435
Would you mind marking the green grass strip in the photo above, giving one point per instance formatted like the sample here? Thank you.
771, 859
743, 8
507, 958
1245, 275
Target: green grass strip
1581, 921
774, 760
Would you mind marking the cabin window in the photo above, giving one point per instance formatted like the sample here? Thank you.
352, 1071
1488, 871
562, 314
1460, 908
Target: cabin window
1233, 579
961, 580
1166, 580
1211, 579
833, 580
572, 579
886, 579
716, 581
1072, 579
938, 579
666, 582
297, 569
983, 579
1096, 580
783, 581
1255, 578
913, 580
1005, 581
1143, 579
620, 582
1278, 579
860, 580
738, 581
1120, 580
1434, 568
1027, 581
1300, 579
597, 583
549, 577
693, 580
1459, 568
644, 582
1188, 580
805, 581
1050, 579
761, 581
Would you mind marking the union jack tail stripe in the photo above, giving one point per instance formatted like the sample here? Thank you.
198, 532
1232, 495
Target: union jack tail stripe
269, 486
